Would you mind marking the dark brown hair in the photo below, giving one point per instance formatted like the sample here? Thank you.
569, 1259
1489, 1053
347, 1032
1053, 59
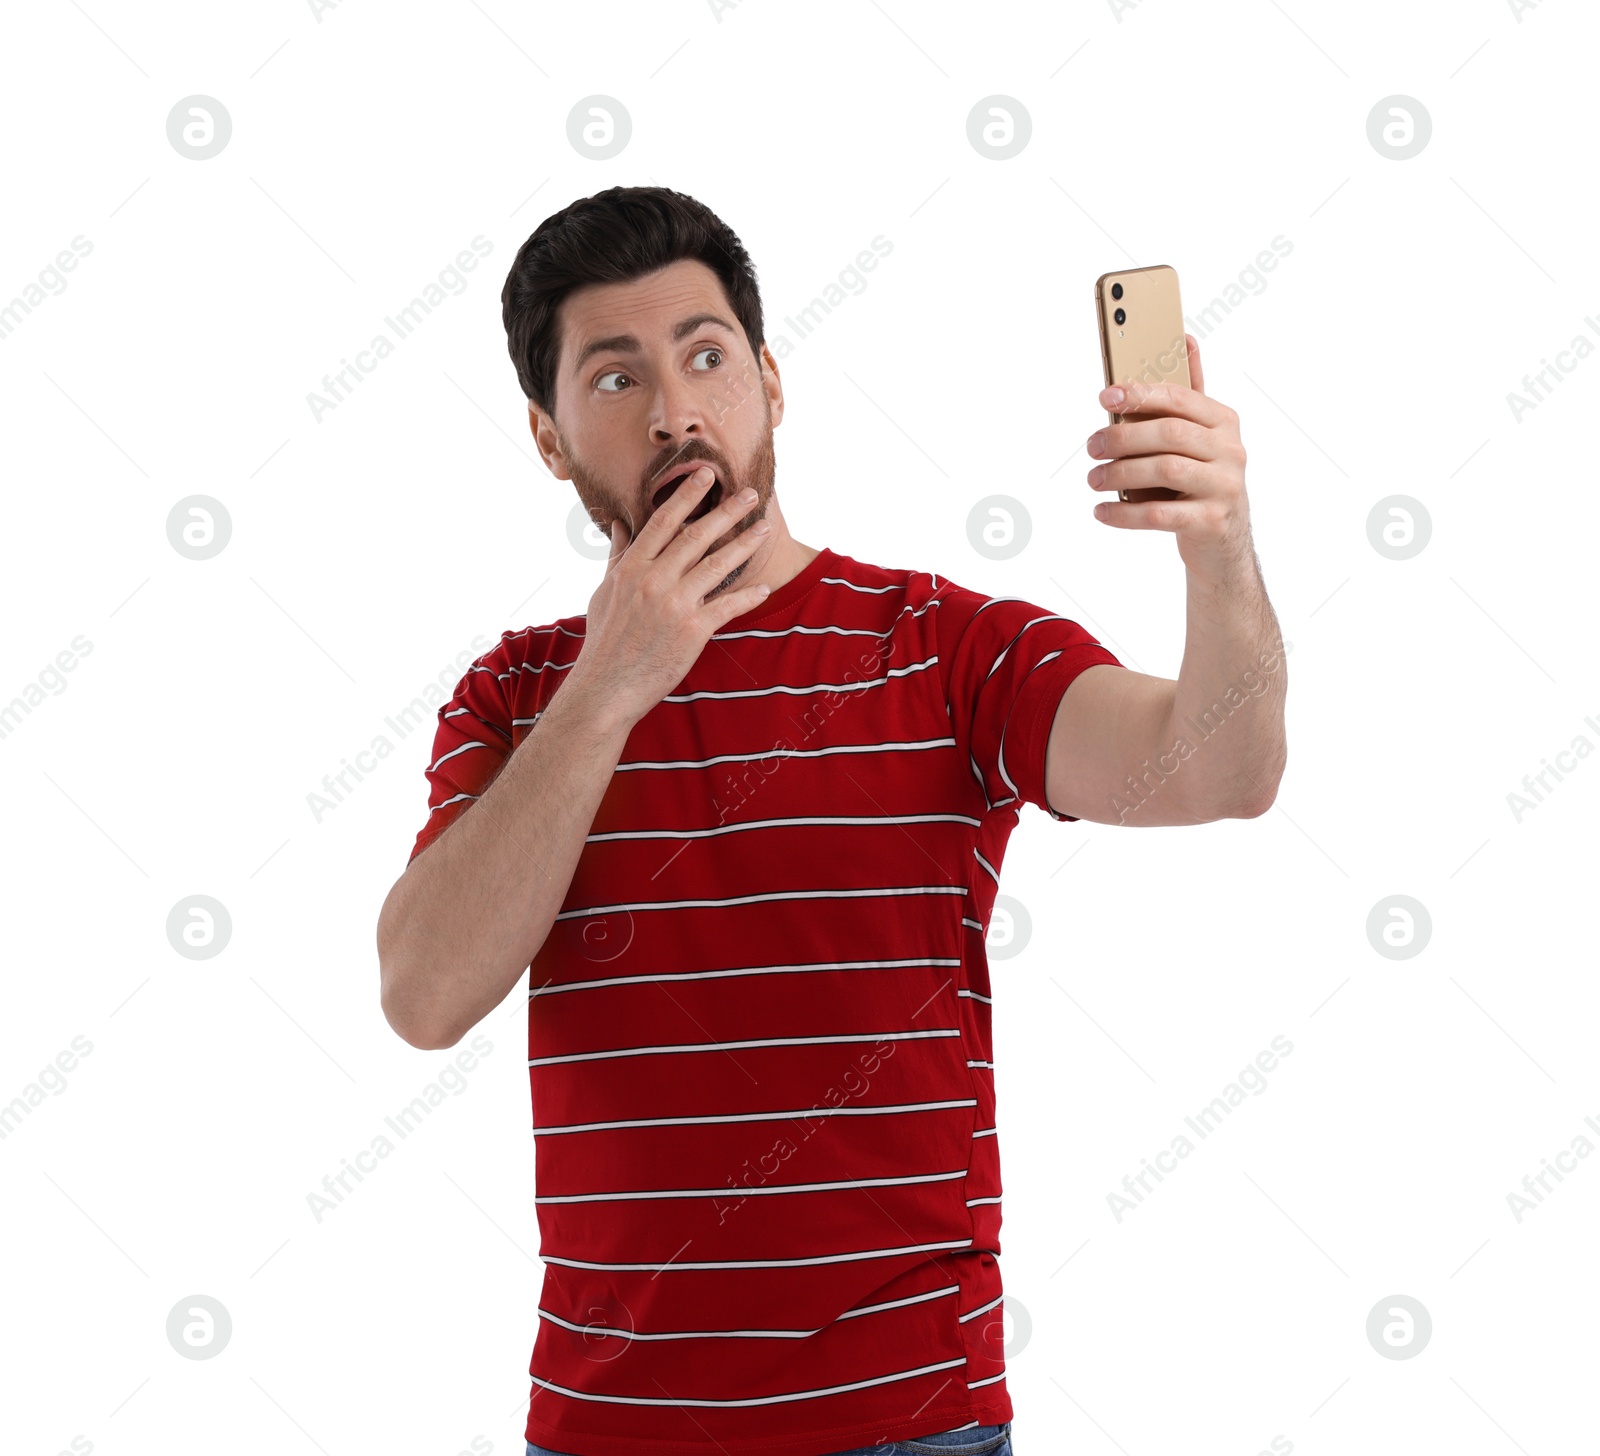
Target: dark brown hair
616, 235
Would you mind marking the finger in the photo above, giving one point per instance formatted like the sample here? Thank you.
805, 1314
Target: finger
717, 564
1167, 399
661, 530
620, 539
1146, 472
1149, 515
690, 545
733, 604
1165, 435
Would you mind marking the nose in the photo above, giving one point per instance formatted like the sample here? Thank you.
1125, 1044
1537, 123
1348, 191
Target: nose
678, 413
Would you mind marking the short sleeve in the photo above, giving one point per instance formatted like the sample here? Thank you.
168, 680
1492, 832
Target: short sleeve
1005, 664
471, 743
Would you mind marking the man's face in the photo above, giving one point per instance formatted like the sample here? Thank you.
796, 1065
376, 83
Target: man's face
656, 375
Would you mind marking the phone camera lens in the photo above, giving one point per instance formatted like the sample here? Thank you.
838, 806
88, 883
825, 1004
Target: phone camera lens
1121, 315
1116, 290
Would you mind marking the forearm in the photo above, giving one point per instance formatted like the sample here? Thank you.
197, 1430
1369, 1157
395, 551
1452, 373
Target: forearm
472, 910
1226, 726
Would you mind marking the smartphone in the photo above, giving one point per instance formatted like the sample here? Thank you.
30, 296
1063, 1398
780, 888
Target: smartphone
1142, 339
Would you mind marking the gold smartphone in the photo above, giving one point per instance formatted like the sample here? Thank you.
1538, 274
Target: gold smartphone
1142, 340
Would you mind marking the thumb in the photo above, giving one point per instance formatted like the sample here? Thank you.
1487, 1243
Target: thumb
1197, 378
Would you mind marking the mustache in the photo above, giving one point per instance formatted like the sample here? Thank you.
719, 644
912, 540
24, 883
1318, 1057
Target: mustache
689, 450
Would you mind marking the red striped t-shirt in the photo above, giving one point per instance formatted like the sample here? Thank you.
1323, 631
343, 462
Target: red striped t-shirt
759, 1049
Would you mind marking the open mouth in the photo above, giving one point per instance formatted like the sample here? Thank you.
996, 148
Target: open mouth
708, 502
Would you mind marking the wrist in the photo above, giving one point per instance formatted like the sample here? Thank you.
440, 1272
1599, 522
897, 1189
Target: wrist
599, 705
1227, 564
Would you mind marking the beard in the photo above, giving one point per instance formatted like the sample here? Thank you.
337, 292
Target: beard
605, 503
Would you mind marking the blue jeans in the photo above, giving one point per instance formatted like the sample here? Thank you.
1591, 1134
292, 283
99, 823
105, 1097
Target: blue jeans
971, 1441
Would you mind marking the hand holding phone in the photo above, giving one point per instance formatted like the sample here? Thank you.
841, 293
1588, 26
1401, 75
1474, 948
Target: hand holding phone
1142, 339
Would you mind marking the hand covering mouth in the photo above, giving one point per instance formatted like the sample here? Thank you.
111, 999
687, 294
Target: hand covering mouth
680, 473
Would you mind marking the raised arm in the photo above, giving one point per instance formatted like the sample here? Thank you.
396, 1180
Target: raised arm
1128, 748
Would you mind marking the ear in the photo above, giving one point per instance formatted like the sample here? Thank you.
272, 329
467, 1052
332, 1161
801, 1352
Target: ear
548, 441
772, 384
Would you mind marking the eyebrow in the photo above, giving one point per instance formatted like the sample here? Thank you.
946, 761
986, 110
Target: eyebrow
628, 344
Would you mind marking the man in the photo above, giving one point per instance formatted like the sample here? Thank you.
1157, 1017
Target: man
745, 820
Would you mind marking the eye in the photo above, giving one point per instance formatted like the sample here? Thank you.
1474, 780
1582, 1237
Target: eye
601, 384
715, 355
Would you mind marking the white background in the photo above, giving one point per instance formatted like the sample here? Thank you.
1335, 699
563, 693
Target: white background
370, 548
